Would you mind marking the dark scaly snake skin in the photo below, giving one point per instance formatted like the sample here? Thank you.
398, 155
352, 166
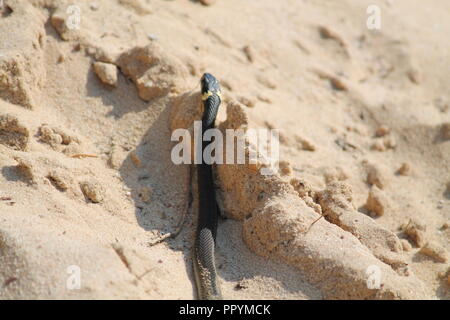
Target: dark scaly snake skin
203, 255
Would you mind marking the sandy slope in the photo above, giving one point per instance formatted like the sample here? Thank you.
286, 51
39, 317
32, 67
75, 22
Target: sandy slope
310, 68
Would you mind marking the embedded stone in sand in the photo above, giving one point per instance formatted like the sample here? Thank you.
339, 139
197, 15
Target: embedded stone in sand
376, 176
435, 251
93, 190
106, 72
377, 201
12, 133
416, 232
155, 72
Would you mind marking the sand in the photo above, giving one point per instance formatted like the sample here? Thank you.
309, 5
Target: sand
90, 92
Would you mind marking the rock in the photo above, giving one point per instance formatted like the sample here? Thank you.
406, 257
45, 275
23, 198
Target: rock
248, 51
155, 72
435, 251
145, 194
414, 76
338, 84
305, 144
55, 136
22, 63
12, 133
382, 131
207, 2
337, 206
25, 166
116, 157
94, 6
106, 72
59, 179
376, 176
416, 232
285, 168
376, 201
406, 245
93, 191
135, 158
445, 131
405, 169
66, 20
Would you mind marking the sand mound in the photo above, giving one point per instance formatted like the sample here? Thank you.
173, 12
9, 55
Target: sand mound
359, 208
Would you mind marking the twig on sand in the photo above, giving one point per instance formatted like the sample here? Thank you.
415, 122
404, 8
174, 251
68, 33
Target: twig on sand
84, 155
314, 223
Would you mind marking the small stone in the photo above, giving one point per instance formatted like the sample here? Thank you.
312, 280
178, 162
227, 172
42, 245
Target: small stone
302, 187
94, 6
107, 73
145, 194
152, 37
135, 158
405, 169
305, 144
59, 179
285, 168
12, 133
390, 142
382, 131
248, 51
92, 191
406, 245
25, 166
416, 233
61, 58
207, 2
116, 157
376, 201
435, 251
375, 176
414, 76
255, 166
445, 131
338, 84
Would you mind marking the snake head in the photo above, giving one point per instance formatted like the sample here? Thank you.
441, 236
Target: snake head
210, 85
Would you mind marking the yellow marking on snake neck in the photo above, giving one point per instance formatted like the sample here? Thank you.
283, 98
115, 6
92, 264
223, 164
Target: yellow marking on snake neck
208, 94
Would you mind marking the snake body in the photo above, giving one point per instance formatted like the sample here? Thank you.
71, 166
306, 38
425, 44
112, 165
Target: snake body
203, 252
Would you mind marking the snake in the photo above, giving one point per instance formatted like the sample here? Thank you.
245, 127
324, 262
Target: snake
208, 213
